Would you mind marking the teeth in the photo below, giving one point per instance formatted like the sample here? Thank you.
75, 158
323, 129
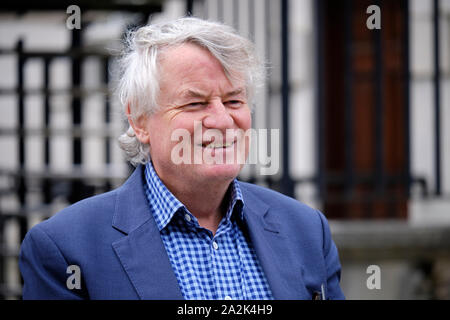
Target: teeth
213, 145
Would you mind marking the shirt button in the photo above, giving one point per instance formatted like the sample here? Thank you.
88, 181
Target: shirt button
215, 245
228, 298
187, 217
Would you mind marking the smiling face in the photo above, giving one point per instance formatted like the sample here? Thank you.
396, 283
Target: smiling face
195, 94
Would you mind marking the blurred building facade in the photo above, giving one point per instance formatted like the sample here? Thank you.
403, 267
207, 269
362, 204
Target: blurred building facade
364, 116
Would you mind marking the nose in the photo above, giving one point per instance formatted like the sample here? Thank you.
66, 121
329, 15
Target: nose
218, 116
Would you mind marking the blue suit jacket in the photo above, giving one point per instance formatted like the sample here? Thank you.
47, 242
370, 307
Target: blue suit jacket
114, 240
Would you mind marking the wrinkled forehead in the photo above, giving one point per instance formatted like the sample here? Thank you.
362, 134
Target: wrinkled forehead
186, 59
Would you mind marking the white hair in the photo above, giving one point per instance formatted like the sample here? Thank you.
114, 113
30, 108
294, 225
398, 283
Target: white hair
138, 86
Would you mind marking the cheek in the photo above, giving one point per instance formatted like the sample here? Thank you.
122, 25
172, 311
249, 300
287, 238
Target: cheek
163, 130
243, 118
159, 132
184, 123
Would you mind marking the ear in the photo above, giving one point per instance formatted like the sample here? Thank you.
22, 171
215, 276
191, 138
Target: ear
139, 126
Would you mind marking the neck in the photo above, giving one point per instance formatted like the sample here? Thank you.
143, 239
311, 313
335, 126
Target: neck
208, 202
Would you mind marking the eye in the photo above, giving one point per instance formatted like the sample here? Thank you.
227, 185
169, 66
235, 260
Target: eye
234, 103
197, 104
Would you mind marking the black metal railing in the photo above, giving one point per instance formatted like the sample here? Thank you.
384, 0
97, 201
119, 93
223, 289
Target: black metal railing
51, 185
437, 98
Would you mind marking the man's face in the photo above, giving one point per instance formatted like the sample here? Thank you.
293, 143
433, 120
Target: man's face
195, 95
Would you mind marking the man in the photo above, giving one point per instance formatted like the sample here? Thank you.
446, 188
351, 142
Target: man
184, 229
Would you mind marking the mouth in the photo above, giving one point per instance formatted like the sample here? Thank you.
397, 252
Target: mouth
217, 145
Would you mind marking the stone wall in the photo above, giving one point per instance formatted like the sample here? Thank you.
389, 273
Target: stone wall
414, 261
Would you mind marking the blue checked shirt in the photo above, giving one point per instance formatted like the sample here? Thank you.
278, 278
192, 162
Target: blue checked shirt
207, 267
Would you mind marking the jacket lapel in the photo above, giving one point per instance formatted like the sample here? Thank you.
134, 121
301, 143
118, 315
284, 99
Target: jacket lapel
141, 250
282, 270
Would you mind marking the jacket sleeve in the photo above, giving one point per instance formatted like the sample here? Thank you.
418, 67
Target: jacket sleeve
333, 266
43, 268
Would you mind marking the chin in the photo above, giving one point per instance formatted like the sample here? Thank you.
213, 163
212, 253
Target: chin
220, 171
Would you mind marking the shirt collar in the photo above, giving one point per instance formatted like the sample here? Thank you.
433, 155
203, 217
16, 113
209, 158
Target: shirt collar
164, 204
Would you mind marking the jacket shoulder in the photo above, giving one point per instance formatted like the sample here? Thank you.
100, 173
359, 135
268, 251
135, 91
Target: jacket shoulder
85, 214
273, 198
291, 214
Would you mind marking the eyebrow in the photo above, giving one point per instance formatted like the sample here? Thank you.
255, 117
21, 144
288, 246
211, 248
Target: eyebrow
234, 92
197, 94
193, 94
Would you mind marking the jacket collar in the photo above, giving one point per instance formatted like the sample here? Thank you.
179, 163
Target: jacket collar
131, 209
